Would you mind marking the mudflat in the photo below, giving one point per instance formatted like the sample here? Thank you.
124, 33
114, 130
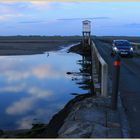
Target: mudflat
23, 45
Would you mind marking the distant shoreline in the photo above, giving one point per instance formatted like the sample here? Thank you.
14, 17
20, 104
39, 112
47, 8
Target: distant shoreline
27, 45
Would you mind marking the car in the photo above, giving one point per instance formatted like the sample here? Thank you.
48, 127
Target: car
122, 47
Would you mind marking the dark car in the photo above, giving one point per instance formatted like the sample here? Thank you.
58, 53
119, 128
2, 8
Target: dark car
122, 47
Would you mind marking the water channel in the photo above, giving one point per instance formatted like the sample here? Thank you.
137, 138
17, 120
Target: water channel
35, 87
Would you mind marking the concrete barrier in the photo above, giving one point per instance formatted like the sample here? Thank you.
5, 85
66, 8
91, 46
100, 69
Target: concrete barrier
136, 47
99, 71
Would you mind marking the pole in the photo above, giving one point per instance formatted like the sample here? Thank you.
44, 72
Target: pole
115, 82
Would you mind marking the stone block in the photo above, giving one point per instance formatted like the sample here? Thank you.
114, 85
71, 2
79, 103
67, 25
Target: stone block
91, 114
75, 129
99, 131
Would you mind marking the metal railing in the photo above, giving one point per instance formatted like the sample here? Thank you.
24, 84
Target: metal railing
99, 70
136, 47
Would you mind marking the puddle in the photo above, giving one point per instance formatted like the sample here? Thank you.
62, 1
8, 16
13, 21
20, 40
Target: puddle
35, 87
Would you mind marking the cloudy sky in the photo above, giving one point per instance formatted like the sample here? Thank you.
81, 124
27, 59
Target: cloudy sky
65, 18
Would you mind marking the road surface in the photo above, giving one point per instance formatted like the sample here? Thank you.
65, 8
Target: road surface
129, 85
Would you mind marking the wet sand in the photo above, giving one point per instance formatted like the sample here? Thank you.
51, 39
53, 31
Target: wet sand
25, 46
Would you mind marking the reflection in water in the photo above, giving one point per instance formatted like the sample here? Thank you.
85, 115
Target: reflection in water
25, 104
85, 81
35, 87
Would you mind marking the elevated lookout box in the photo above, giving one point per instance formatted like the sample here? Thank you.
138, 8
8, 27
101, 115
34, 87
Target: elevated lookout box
86, 33
87, 26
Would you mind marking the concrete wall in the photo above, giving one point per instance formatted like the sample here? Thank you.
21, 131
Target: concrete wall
99, 72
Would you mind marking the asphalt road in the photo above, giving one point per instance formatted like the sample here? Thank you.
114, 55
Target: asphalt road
129, 85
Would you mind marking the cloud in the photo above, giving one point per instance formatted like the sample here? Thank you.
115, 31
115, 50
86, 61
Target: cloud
26, 122
10, 16
39, 5
12, 89
46, 71
39, 93
26, 104
38, 21
132, 25
10, 10
12, 72
21, 106
88, 18
13, 75
28, 22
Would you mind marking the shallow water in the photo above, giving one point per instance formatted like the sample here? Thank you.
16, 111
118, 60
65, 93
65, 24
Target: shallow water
35, 87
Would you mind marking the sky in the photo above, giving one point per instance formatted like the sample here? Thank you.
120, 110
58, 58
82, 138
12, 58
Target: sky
65, 18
